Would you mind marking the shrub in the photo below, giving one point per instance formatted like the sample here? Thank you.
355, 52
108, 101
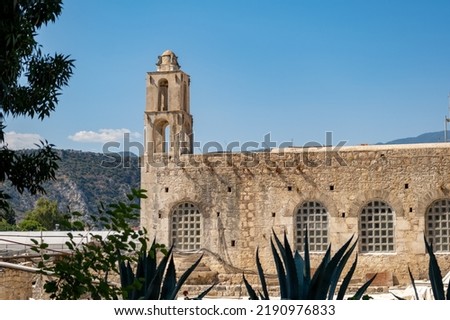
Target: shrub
294, 273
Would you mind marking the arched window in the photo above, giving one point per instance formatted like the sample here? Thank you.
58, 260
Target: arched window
161, 136
438, 225
313, 216
163, 95
186, 227
376, 227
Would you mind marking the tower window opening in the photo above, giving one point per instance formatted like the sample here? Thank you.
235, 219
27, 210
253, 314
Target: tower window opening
163, 95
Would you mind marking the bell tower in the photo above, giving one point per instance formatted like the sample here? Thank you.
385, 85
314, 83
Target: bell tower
168, 122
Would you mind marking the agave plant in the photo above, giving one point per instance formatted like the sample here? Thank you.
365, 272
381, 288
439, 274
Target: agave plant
153, 281
434, 273
294, 273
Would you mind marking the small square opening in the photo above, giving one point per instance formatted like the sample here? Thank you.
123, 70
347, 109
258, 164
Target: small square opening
166, 189
233, 243
273, 214
229, 189
406, 185
331, 188
289, 188
218, 214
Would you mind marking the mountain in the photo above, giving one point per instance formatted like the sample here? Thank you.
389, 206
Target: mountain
84, 180
429, 137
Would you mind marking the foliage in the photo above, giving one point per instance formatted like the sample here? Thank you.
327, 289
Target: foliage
294, 273
44, 216
153, 281
435, 276
87, 269
6, 211
30, 84
5, 226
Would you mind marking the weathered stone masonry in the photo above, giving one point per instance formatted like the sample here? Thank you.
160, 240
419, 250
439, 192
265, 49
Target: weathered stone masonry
232, 201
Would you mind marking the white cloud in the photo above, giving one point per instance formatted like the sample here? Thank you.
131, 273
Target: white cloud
103, 135
17, 141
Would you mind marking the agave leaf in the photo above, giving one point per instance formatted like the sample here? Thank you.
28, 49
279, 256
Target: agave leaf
291, 271
397, 297
307, 263
346, 281
359, 293
280, 271
300, 267
149, 263
140, 276
331, 272
280, 248
154, 288
126, 278
413, 284
204, 293
251, 292
262, 278
435, 275
343, 258
170, 280
183, 278
314, 289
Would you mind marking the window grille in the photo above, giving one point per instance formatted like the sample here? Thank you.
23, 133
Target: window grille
314, 216
186, 227
376, 225
438, 224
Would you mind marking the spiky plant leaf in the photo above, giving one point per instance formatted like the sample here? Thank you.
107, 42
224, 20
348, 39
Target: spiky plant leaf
331, 272
280, 271
346, 281
413, 284
307, 261
170, 280
251, 292
291, 271
204, 293
154, 288
262, 278
435, 275
340, 266
300, 269
183, 278
359, 293
314, 287
397, 297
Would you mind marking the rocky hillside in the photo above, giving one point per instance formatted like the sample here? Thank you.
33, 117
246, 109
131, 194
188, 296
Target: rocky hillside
84, 180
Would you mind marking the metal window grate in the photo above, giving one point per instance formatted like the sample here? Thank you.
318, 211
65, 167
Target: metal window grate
438, 225
186, 227
314, 216
376, 225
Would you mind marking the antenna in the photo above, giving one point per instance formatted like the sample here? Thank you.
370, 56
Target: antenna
447, 119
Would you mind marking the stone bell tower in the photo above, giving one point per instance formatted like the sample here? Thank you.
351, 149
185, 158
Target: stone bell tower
168, 122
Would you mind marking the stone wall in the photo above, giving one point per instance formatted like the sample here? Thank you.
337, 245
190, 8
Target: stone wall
17, 284
244, 196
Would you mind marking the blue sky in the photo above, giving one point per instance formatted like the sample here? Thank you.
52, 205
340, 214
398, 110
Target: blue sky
367, 70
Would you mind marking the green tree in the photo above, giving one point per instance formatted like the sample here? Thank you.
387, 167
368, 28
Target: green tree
44, 216
30, 84
89, 268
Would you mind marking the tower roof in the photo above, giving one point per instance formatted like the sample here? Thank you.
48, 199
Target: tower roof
167, 61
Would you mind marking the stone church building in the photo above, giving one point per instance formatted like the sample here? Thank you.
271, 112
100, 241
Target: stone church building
227, 204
